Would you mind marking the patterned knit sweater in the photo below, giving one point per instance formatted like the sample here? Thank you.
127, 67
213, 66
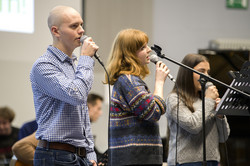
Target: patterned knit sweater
134, 131
189, 140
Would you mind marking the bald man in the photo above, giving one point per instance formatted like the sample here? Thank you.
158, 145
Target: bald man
60, 90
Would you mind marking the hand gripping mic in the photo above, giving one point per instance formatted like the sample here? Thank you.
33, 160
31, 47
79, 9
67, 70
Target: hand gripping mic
208, 84
95, 55
154, 58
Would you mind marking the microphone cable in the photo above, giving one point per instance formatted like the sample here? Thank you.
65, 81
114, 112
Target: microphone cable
177, 123
109, 154
157, 49
225, 143
101, 63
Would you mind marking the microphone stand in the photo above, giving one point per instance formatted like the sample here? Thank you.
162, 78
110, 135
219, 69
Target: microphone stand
203, 80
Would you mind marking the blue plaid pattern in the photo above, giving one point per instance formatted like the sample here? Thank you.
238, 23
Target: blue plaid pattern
60, 90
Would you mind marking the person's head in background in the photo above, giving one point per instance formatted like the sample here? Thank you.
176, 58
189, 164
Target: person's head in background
129, 55
95, 106
65, 25
188, 85
6, 117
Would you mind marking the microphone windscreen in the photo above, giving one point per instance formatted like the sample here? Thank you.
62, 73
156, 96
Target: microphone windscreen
83, 38
153, 58
208, 84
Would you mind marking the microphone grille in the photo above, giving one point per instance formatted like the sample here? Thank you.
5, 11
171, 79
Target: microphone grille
83, 38
208, 84
153, 58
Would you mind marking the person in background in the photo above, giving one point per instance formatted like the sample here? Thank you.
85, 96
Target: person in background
27, 129
95, 106
189, 137
24, 149
60, 90
134, 137
8, 134
95, 111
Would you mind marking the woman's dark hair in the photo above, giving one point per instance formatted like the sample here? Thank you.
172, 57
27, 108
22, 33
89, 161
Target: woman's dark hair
185, 81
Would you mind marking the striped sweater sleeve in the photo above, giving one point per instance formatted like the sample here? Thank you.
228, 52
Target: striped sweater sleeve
141, 102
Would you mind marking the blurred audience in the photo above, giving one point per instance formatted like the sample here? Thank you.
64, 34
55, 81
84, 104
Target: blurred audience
8, 134
95, 111
24, 149
95, 106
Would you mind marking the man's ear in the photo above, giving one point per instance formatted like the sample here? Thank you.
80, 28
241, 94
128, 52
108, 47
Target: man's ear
54, 31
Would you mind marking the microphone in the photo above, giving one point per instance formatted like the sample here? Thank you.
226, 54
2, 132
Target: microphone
154, 59
95, 55
208, 84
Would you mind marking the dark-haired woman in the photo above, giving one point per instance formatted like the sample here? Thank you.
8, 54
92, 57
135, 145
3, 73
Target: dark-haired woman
189, 136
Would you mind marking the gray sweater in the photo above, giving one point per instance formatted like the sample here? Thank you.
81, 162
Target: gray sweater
189, 140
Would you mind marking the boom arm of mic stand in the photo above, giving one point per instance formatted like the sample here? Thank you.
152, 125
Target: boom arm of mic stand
204, 76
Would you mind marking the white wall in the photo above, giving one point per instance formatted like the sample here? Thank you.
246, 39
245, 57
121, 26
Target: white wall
178, 26
182, 27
